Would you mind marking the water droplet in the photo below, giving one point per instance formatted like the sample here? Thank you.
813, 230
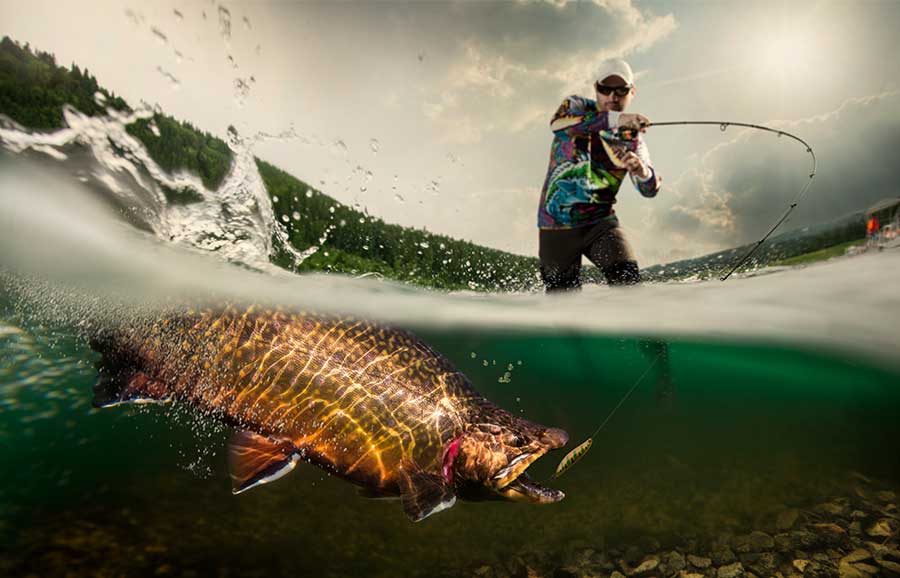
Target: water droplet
509, 367
246, 23
331, 210
339, 147
424, 245
485, 363
723, 126
473, 355
225, 22
295, 215
399, 198
159, 35
361, 220
275, 199
373, 144
285, 218
177, 14
309, 192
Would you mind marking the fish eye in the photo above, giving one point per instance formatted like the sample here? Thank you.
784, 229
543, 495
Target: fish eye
516, 441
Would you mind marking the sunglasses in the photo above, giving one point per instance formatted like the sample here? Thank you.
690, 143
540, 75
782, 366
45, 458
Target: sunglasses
606, 90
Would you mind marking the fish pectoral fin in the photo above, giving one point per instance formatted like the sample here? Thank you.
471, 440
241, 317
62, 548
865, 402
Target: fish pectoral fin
255, 459
424, 494
117, 386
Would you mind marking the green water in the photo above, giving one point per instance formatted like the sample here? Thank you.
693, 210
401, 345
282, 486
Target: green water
743, 431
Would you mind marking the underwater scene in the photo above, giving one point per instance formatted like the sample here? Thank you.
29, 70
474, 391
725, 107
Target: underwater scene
209, 367
752, 427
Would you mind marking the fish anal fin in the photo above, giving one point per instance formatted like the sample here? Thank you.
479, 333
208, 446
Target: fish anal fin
118, 387
255, 459
423, 494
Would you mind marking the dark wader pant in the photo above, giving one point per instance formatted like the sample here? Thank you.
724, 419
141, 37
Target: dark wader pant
604, 244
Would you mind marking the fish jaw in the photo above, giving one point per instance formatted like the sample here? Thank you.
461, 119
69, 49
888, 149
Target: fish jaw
524, 489
513, 482
496, 457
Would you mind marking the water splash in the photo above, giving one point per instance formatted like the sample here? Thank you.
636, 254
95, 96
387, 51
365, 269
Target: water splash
236, 221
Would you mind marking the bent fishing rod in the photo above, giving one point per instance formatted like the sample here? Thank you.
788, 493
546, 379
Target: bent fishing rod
630, 134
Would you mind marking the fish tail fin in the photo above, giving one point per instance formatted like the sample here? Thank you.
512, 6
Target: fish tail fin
120, 377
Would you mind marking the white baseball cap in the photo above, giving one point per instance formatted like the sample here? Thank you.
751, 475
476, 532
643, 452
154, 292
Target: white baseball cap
614, 67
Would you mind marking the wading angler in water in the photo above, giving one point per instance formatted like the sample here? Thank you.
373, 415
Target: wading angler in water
371, 404
588, 162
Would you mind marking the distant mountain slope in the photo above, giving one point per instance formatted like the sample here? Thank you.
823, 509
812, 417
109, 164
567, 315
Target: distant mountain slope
33, 90
780, 246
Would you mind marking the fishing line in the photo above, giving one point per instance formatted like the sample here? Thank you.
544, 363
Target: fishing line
630, 134
576, 454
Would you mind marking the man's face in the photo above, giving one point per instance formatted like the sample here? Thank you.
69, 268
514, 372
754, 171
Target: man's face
612, 101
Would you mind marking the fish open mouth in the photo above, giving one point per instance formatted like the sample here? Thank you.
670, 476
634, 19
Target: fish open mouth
514, 483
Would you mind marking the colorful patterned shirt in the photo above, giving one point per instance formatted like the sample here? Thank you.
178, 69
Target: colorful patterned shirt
586, 167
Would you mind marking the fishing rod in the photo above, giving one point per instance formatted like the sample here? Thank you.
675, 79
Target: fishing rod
631, 134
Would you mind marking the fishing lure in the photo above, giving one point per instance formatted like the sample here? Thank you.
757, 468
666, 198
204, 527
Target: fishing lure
579, 452
628, 134
572, 457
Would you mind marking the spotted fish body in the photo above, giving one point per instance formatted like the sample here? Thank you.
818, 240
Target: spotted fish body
369, 403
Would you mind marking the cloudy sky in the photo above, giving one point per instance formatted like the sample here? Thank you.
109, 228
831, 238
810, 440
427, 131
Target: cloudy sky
435, 114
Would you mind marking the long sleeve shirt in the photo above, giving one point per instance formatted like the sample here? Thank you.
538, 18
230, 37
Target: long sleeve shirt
586, 167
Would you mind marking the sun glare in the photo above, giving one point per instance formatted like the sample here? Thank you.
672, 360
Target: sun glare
786, 54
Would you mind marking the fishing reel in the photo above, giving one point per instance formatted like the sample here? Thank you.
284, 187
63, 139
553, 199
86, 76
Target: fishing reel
629, 133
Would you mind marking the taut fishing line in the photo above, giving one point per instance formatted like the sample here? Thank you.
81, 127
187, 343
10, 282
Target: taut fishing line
573, 456
631, 134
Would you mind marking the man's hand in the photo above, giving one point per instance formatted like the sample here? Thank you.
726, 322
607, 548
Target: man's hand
636, 166
634, 121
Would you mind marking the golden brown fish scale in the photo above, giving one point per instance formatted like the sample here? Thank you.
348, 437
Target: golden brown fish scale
359, 397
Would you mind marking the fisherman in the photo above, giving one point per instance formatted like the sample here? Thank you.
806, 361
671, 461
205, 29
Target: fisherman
588, 161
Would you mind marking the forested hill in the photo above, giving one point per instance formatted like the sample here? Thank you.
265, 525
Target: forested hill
34, 89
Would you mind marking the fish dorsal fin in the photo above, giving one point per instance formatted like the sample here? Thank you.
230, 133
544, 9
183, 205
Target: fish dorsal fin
255, 459
423, 494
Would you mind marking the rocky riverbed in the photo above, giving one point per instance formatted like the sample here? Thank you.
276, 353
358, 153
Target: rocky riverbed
848, 536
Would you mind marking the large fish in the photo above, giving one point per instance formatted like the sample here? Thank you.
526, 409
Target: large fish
366, 402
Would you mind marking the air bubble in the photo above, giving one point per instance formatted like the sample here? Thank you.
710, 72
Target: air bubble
373, 144
723, 126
